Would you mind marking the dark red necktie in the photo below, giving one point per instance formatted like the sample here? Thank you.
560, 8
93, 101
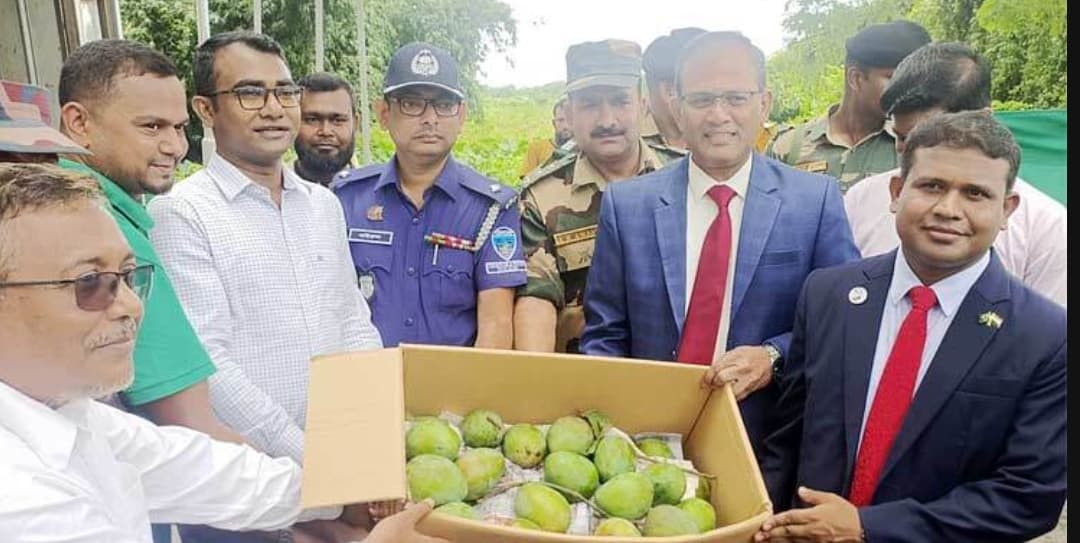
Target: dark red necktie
706, 303
894, 394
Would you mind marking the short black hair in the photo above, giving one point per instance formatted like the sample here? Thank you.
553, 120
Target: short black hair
561, 102
204, 55
712, 39
327, 82
964, 130
92, 69
948, 75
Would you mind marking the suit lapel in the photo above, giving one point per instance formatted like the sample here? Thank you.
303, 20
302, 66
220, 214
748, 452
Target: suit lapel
862, 323
960, 349
758, 217
670, 216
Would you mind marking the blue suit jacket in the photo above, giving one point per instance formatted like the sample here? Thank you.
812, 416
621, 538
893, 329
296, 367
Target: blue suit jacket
981, 455
792, 223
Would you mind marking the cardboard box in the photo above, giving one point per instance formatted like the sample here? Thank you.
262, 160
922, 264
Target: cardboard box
351, 456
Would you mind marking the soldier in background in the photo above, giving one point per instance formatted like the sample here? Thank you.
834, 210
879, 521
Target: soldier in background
659, 126
541, 151
561, 201
851, 141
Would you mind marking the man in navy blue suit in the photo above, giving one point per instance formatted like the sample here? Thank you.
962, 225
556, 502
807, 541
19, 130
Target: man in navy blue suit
925, 394
702, 262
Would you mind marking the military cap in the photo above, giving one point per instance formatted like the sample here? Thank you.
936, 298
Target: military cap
614, 63
22, 128
422, 64
885, 45
663, 53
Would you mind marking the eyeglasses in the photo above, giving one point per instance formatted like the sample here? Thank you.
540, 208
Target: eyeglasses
97, 291
410, 106
731, 99
254, 98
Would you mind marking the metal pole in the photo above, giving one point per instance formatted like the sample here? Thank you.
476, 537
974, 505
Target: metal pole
28, 42
202, 17
319, 28
365, 108
115, 18
256, 8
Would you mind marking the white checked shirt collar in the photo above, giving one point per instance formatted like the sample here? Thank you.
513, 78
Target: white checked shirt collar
232, 182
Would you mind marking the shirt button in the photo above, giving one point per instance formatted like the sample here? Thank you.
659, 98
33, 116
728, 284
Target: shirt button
409, 321
416, 220
449, 267
411, 270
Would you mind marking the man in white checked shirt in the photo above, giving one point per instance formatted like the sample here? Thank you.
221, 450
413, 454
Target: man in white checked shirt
260, 258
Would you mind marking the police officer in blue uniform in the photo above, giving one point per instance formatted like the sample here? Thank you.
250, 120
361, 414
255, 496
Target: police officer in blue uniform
437, 245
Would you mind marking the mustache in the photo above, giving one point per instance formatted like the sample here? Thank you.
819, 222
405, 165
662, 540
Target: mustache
606, 132
125, 332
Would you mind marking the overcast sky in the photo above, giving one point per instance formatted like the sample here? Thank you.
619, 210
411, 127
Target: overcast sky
547, 27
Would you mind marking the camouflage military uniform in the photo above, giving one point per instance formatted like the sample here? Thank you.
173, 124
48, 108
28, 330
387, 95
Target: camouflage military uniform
810, 147
560, 208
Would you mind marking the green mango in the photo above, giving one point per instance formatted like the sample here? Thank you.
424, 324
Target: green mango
667, 520
435, 477
702, 512
482, 469
627, 495
613, 456
432, 435
669, 483
524, 445
573, 471
458, 509
544, 506
616, 527
572, 434
655, 447
482, 428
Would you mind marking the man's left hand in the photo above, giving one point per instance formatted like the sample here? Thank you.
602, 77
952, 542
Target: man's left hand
830, 519
746, 369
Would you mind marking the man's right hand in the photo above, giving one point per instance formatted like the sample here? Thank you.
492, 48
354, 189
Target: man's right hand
401, 528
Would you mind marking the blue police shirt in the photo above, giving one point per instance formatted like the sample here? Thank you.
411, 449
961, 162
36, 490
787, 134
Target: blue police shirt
418, 294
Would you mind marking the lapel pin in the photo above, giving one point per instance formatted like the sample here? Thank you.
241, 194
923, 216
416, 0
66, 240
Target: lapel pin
991, 319
374, 213
857, 295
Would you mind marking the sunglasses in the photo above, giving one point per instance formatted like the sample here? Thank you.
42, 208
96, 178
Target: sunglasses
97, 291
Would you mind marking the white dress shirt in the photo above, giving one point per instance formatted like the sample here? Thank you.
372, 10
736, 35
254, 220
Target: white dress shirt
1033, 247
701, 210
950, 293
266, 289
89, 473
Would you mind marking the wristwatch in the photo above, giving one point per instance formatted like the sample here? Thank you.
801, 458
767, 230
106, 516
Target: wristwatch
774, 358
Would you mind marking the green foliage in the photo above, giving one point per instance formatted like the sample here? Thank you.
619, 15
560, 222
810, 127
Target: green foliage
469, 30
1024, 41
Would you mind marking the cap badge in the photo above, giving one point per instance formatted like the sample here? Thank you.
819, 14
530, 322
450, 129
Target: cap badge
425, 63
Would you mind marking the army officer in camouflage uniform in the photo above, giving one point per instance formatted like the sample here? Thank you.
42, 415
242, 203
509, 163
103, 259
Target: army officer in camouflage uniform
851, 141
560, 202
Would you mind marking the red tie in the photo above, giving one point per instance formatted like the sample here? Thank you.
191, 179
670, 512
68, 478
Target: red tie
894, 394
703, 318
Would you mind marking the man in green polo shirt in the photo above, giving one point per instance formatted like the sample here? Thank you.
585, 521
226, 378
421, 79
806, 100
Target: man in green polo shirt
851, 141
124, 103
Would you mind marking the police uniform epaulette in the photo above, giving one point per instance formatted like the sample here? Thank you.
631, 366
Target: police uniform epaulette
668, 149
503, 195
547, 169
356, 174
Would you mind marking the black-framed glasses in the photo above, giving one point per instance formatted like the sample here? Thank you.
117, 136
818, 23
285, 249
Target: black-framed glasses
412, 106
730, 99
97, 291
254, 98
